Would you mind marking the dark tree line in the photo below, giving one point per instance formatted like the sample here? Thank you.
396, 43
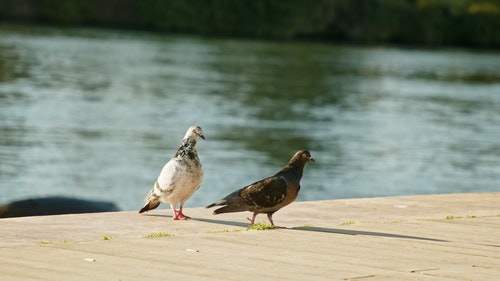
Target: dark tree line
425, 22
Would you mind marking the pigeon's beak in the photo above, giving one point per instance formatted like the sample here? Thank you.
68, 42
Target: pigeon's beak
202, 136
311, 159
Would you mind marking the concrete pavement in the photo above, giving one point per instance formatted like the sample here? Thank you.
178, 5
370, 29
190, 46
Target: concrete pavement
431, 237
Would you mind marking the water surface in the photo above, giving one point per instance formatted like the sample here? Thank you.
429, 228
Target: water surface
96, 114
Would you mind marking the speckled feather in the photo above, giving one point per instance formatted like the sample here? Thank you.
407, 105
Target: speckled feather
179, 178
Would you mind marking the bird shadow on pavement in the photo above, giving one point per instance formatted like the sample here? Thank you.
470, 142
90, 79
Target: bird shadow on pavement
360, 232
157, 215
231, 223
315, 229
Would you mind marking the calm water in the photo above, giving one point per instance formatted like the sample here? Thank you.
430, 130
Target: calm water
96, 114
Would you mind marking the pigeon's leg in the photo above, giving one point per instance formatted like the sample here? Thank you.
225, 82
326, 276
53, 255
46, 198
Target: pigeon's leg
270, 218
252, 221
181, 215
176, 214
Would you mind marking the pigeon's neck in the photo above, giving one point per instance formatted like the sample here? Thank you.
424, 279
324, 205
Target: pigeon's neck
187, 148
293, 168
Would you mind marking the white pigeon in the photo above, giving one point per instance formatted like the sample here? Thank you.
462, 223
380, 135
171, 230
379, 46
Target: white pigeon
179, 178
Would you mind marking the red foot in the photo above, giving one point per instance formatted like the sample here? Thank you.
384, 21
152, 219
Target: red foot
178, 215
181, 217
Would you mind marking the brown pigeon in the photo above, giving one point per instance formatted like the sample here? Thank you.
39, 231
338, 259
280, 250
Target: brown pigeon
179, 178
270, 194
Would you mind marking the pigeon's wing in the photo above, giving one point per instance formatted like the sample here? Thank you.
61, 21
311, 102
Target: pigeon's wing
169, 175
266, 193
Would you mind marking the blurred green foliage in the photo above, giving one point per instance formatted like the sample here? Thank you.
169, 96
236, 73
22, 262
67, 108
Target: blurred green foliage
427, 22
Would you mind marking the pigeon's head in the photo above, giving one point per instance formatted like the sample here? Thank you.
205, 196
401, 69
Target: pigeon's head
194, 132
297, 162
304, 156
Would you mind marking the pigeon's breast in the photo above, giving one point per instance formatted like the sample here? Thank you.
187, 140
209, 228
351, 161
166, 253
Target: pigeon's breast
292, 193
191, 172
180, 172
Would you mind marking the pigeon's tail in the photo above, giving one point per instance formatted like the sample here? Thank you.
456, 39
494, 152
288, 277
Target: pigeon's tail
152, 201
221, 202
211, 205
231, 208
150, 205
230, 203
224, 209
